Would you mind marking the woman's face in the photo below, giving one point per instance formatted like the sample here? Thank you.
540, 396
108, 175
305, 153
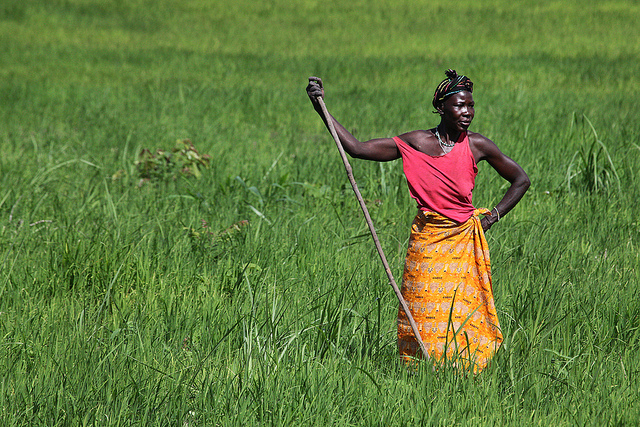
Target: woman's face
458, 111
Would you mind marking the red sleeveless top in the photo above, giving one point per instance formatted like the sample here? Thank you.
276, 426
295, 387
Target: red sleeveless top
442, 184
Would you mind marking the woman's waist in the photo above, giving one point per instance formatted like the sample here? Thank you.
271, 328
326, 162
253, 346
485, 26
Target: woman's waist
430, 220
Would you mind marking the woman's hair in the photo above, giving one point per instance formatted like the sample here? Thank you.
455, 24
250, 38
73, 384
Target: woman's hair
450, 86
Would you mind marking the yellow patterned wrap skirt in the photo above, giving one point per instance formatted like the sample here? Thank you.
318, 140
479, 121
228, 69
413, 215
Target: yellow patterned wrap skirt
447, 286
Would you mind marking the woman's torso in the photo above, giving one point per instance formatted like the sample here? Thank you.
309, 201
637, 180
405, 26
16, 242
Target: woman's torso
441, 183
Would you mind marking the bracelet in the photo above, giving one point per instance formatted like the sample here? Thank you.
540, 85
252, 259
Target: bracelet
497, 213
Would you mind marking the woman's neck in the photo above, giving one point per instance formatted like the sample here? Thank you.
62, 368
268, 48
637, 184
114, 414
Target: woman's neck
451, 135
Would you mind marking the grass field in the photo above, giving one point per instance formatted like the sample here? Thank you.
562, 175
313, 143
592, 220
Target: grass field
252, 294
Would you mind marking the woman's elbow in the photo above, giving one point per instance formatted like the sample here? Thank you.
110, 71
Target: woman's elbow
525, 183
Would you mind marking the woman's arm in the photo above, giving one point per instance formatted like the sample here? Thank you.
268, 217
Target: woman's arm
379, 149
484, 149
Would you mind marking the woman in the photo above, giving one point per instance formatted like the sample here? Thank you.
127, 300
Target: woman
447, 275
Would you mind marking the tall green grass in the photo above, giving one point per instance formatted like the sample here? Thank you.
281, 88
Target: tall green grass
254, 295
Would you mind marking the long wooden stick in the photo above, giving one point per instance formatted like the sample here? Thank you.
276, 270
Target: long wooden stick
363, 206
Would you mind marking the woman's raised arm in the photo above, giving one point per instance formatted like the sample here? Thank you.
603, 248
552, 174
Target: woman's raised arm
379, 149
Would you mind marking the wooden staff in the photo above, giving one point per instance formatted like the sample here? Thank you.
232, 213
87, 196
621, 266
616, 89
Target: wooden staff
352, 180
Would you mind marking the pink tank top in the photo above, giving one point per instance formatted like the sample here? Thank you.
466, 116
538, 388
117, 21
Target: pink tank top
442, 184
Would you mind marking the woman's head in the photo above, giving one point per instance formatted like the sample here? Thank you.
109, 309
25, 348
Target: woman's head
450, 86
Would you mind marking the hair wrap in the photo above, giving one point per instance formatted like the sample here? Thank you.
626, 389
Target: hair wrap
450, 86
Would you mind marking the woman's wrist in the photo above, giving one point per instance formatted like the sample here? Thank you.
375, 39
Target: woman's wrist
495, 213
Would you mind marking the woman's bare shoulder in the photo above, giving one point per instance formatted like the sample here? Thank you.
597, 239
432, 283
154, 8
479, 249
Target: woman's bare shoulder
415, 136
476, 138
482, 147
480, 142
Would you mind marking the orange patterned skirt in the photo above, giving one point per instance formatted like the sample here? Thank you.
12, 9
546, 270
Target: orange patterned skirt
447, 286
